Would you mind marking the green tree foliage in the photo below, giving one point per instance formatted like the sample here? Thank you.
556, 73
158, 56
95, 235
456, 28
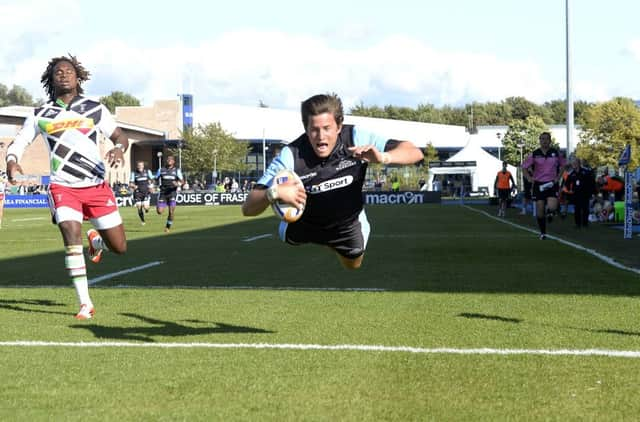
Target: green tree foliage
17, 95
430, 154
608, 127
558, 111
521, 109
522, 133
479, 114
118, 99
204, 144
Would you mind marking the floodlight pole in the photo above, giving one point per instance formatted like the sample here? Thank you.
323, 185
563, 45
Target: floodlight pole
568, 69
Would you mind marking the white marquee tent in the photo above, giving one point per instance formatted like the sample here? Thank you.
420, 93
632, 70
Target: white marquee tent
483, 174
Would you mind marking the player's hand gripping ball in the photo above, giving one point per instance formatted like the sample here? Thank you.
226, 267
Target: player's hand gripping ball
287, 212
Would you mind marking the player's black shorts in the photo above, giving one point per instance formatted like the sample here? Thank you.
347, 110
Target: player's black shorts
168, 196
544, 190
527, 189
504, 194
141, 196
347, 239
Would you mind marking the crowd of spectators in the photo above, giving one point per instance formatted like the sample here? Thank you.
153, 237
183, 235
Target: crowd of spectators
25, 189
607, 200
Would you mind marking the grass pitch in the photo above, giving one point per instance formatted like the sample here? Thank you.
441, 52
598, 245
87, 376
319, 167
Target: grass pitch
224, 322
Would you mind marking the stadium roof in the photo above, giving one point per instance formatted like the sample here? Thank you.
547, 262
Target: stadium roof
251, 123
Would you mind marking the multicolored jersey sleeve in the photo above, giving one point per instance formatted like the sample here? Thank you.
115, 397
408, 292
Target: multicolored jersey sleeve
23, 139
283, 161
362, 137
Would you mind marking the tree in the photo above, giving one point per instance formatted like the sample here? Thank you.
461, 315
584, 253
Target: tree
430, 154
4, 91
608, 127
17, 95
557, 109
209, 143
522, 134
118, 99
521, 109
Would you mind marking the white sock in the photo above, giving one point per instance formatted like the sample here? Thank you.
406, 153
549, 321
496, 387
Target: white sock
74, 262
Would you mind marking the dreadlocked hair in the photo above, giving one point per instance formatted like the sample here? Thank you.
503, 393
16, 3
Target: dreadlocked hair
47, 77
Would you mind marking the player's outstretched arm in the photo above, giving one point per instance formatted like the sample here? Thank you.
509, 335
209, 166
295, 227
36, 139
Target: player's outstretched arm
403, 152
255, 203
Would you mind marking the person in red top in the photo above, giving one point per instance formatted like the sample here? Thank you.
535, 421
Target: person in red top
504, 184
566, 192
612, 185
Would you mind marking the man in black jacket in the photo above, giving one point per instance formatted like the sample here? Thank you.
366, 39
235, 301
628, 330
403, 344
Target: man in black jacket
582, 182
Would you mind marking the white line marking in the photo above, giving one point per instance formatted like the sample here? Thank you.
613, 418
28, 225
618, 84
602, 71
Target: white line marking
311, 289
127, 271
593, 252
348, 347
30, 219
173, 287
251, 239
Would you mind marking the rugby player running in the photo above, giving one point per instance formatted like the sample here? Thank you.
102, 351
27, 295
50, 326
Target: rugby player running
169, 180
69, 123
542, 168
331, 159
140, 179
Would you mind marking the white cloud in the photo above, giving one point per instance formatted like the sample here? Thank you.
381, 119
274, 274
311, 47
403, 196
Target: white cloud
245, 67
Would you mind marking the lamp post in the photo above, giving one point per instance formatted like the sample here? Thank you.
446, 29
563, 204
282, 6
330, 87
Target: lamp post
520, 146
214, 174
159, 154
499, 136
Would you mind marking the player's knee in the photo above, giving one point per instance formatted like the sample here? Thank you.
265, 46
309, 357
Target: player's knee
351, 264
120, 247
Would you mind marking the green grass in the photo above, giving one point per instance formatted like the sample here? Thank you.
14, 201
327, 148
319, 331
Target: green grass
452, 278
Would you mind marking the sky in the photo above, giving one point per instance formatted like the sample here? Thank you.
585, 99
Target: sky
280, 52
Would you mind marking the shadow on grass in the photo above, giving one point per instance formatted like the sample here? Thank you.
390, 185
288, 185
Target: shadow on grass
499, 318
489, 317
26, 305
160, 328
443, 249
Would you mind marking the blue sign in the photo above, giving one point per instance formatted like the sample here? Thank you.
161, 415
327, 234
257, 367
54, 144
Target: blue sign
187, 111
26, 201
625, 157
628, 206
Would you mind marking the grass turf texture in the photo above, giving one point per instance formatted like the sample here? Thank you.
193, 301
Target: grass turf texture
455, 278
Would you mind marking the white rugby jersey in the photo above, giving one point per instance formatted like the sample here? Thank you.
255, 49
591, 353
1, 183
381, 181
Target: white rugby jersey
71, 135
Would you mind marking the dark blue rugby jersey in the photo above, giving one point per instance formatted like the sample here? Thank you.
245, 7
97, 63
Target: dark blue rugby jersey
333, 184
141, 179
166, 177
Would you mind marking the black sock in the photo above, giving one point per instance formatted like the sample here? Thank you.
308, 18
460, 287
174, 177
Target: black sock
169, 223
542, 223
141, 214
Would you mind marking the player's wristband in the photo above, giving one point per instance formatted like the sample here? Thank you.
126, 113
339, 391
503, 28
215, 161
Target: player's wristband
120, 146
12, 157
272, 193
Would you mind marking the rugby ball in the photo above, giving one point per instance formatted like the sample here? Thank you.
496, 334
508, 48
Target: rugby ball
287, 212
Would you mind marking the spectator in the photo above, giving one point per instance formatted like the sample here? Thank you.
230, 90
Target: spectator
612, 186
581, 181
504, 184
